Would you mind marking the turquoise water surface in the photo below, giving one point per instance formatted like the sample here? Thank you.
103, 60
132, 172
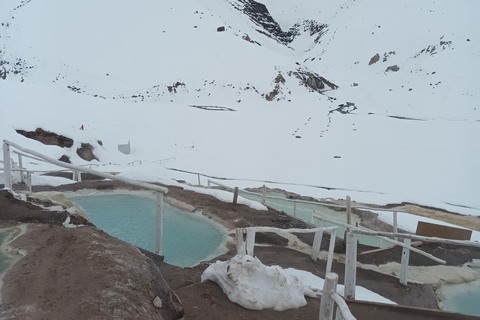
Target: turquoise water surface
187, 239
462, 298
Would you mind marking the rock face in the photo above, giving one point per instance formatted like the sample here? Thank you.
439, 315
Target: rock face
47, 137
258, 13
393, 68
374, 59
86, 152
313, 81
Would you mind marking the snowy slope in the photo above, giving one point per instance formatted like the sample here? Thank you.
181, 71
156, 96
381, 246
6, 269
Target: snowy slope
133, 70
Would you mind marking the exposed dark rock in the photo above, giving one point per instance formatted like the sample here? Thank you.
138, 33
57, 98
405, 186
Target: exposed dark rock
247, 38
259, 14
175, 86
3, 73
312, 80
100, 142
344, 108
279, 79
47, 137
220, 29
86, 152
65, 158
374, 59
393, 68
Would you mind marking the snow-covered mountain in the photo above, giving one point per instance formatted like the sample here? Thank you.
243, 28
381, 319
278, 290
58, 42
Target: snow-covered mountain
370, 98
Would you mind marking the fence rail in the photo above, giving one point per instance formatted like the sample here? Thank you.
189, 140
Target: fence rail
160, 191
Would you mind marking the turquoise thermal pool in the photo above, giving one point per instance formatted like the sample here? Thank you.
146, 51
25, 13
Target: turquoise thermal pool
187, 239
462, 298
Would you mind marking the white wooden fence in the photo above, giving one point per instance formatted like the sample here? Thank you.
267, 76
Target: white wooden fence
331, 299
245, 240
160, 191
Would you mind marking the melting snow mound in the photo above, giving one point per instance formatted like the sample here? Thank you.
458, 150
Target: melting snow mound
249, 283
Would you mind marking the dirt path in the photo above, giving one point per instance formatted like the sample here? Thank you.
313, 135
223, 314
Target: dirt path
61, 262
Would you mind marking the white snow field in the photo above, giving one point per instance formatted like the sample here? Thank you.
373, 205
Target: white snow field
132, 70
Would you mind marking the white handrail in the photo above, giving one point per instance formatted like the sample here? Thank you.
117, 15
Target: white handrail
342, 307
330, 298
77, 169
98, 173
428, 255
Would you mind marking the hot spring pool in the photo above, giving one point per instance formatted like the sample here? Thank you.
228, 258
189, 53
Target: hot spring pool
187, 239
462, 298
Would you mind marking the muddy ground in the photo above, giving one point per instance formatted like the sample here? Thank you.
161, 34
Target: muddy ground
63, 266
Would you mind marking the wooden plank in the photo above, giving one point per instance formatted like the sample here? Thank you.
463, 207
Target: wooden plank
351, 266
441, 231
413, 244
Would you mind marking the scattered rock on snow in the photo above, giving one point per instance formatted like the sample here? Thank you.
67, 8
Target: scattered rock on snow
47, 137
374, 59
393, 68
86, 152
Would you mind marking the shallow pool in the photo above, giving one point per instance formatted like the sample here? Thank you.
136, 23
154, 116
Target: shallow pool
187, 239
304, 211
463, 298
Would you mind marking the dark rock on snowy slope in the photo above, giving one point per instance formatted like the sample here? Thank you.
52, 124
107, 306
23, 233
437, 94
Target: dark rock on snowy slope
86, 152
258, 13
47, 137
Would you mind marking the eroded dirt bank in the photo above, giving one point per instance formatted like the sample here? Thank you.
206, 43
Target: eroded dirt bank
65, 257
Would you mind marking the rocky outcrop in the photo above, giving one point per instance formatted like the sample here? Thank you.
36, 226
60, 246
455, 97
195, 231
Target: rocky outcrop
313, 81
393, 68
86, 152
374, 59
259, 14
47, 137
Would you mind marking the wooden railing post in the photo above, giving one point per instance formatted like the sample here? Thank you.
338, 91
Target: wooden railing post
349, 212
295, 208
199, 183
317, 241
20, 164
331, 248
7, 164
239, 238
29, 181
250, 241
264, 194
327, 304
395, 225
351, 266
159, 225
235, 195
404, 265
